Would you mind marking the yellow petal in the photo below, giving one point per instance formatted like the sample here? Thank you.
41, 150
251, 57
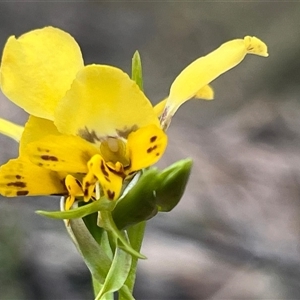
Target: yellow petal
103, 101
20, 177
36, 129
146, 146
205, 93
10, 129
61, 153
110, 182
38, 68
205, 69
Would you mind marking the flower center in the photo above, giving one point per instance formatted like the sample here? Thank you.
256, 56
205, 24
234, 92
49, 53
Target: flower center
114, 150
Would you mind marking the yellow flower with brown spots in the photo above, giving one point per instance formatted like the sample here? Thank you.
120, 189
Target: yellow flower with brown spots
90, 127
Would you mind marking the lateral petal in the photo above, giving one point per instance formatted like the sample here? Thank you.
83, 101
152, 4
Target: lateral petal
20, 177
61, 153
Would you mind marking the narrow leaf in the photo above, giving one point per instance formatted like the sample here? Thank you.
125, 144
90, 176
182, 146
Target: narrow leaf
80, 212
94, 256
117, 274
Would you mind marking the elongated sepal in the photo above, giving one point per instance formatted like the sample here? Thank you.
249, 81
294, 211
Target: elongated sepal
172, 184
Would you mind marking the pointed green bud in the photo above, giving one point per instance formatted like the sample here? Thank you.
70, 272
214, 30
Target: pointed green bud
137, 72
173, 181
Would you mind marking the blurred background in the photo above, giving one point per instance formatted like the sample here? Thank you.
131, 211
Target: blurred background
236, 232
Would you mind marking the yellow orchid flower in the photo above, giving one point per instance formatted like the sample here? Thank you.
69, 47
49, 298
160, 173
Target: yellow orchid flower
91, 127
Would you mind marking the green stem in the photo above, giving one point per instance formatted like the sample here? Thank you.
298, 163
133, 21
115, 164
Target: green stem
136, 236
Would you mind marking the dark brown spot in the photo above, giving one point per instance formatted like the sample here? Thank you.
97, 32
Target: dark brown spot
49, 157
86, 192
18, 176
105, 173
126, 131
40, 164
22, 193
153, 139
131, 173
89, 136
110, 194
107, 179
149, 150
78, 182
157, 154
87, 184
19, 184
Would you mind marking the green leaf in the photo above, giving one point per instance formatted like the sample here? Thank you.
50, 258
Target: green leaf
117, 274
136, 73
139, 204
93, 254
173, 181
80, 212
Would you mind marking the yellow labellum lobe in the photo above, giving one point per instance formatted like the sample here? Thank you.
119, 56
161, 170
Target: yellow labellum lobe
110, 182
75, 190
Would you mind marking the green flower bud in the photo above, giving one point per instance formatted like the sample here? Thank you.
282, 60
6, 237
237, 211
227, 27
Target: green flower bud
173, 181
139, 204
